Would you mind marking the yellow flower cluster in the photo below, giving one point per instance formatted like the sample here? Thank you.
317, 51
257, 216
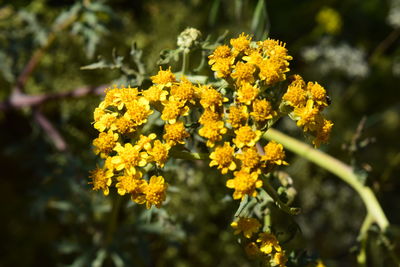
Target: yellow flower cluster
234, 129
259, 244
232, 120
307, 101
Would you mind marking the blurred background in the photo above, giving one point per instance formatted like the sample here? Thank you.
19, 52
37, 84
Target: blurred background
50, 215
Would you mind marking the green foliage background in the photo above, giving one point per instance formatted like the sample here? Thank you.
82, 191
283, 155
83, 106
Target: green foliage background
50, 216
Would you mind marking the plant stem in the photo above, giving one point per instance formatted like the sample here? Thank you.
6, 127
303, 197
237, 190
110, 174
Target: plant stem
112, 223
185, 62
338, 168
187, 155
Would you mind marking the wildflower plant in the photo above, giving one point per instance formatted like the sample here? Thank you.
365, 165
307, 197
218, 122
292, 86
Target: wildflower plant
222, 118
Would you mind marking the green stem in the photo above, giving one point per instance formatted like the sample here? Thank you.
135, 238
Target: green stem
274, 195
112, 223
187, 155
185, 62
336, 167
363, 238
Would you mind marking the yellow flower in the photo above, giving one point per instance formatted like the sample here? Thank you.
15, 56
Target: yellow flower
221, 52
145, 141
155, 192
124, 96
211, 98
268, 243
307, 116
223, 67
237, 116
129, 157
323, 131
223, 158
250, 158
274, 154
243, 72
184, 91
318, 93
101, 179
208, 116
155, 93
213, 131
262, 110
295, 95
164, 78
279, 259
130, 184
98, 113
275, 49
105, 143
173, 109
124, 125
107, 121
175, 133
248, 226
254, 58
158, 153
108, 164
244, 183
247, 93
272, 70
241, 44
137, 111
245, 136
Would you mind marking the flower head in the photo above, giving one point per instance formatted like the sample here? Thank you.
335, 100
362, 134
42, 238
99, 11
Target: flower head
164, 78
268, 243
274, 154
158, 153
101, 179
237, 116
244, 183
248, 226
245, 136
130, 184
155, 191
175, 133
129, 157
223, 158
105, 143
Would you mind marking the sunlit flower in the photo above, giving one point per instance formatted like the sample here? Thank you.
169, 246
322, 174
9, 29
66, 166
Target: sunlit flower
244, 183
173, 109
249, 158
211, 98
245, 136
247, 93
158, 153
241, 44
213, 131
129, 157
243, 72
137, 111
175, 133
237, 116
164, 78
262, 110
274, 154
223, 158
155, 93
183, 91
155, 191
105, 143
318, 93
101, 179
106, 121
130, 184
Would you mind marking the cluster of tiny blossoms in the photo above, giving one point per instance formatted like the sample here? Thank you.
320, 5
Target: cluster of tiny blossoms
262, 245
232, 120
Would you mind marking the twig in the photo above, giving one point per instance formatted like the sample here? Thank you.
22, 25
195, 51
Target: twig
52, 132
20, 100
338, 168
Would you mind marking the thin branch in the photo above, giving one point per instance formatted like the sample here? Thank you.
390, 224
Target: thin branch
338, 168
50, 130
20, 100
